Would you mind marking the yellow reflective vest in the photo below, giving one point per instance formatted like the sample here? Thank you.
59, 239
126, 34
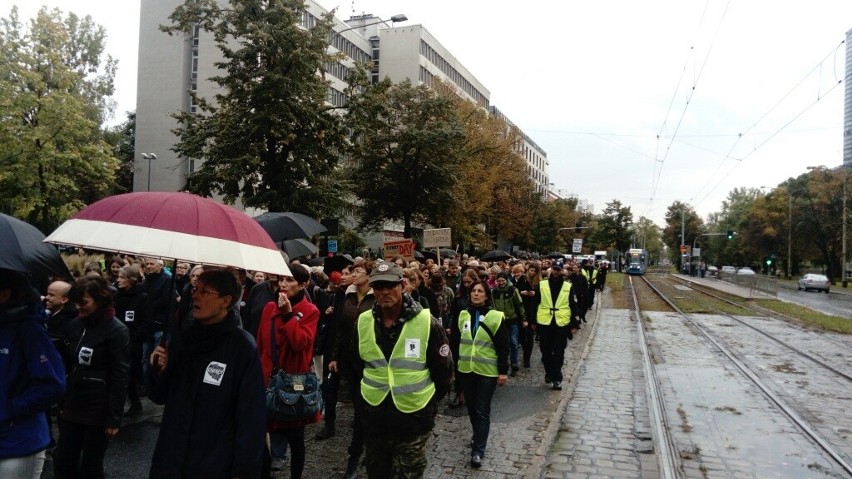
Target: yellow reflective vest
592, 277
478, 354
546, 308
406, 376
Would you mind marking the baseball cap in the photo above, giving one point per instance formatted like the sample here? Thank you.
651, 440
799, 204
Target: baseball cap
556, 265
386, 272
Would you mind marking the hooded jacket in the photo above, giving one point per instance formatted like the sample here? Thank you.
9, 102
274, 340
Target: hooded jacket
32, 379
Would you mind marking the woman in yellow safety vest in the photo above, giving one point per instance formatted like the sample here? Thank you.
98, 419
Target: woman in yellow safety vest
482, 339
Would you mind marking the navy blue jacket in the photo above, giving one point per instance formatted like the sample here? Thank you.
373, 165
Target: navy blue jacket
32, 377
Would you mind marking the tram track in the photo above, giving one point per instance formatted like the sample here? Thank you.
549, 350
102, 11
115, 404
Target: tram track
667, 445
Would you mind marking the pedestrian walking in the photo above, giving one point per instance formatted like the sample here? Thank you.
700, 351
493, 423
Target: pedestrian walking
359, 298
210, 380
290, 321
483, 342
460, 303
402, 360
527, 284
555, 303
133, 309
507, 300
97, 384
33, 379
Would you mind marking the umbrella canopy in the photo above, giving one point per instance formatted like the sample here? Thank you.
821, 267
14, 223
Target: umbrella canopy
289, 225
173, 226
496, 255
320, 261
555, 255
426, 254
336, 263
23, 250
448, 253
298, 247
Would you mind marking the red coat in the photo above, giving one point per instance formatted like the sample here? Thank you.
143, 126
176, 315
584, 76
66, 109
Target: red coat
295, 339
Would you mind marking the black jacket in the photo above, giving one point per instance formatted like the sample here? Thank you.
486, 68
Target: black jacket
97, 384
214, 422
161, 294
133, 309
64, 330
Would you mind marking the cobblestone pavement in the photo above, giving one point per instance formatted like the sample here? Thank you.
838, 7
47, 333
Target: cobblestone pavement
522, 428
606, 418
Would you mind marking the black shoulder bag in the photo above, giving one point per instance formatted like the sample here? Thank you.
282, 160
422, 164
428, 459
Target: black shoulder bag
290, 397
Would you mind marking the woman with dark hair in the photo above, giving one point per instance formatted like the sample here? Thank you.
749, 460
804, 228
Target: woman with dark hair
97, 384
482, 338
113, 267
527, 284
460, 303
133, 309
291, 322
209, 379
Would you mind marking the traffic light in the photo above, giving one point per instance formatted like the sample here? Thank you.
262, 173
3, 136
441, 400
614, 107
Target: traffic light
730, 234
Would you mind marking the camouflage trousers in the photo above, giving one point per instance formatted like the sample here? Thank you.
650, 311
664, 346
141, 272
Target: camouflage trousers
396, 457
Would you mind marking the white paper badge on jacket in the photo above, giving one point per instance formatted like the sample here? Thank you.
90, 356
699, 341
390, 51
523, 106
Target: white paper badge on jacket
85, 356
129, 316
412, 348
214, 373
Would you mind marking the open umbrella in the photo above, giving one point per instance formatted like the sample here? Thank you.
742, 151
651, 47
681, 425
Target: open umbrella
318, 261
428, 255
173, 226
289, 225
555, 255
496, 255
299, 247
23, 250
448, 253
337, 263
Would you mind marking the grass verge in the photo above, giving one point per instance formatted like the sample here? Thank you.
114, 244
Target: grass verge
808, 316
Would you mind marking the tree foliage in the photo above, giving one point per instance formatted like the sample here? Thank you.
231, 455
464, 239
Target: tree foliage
407, 157
55, 88
680, 216
267, 138
613, 228
123, 140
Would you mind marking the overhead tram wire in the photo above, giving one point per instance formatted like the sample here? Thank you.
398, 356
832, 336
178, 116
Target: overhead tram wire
656, 181
820, 96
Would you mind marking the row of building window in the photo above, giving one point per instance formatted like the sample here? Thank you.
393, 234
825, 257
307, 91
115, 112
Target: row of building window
436, 59
335, 97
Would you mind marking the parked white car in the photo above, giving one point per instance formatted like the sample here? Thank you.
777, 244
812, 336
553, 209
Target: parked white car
818, 282
746, 271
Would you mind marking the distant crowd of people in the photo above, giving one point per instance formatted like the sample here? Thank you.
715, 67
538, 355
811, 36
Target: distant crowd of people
392, 337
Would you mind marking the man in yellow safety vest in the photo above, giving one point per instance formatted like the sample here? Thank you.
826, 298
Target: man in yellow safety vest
401, 358
557, 319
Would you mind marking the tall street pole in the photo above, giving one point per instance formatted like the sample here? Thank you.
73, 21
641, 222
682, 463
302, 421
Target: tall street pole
789, 232
843, 263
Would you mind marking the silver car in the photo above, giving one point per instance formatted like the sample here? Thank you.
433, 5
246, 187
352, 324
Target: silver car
818, 282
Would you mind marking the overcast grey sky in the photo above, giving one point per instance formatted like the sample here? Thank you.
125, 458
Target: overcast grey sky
646, 102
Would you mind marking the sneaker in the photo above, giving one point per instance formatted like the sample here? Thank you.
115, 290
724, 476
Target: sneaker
475, 461
557, 385
547, 378
277, 465
515, 368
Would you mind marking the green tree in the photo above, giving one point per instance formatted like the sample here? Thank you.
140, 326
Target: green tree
268, 138
679, 216
55, 88
649, 236
548, 225
407, 159
613, 228
123, 141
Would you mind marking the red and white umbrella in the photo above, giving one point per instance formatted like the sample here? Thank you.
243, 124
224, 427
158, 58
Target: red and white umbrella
179, 226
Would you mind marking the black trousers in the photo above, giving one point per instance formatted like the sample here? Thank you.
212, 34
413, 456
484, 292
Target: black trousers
552, 341
80, 451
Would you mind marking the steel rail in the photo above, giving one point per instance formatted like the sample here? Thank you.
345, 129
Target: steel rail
794, 417
666, 452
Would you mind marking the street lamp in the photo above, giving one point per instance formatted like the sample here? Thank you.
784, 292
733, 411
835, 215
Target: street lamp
149, 157
788, 269
400, 17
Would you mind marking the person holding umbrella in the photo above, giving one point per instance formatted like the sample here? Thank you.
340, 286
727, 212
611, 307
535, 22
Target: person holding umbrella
210, 380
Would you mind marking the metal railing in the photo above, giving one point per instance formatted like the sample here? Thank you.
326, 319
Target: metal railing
757, 282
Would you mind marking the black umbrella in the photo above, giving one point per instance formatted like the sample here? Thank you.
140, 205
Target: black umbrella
496, 255
289, 225
23, 250
448, 253
426, 254
418, 255
296, 248
316, 261
336, 263
555, 255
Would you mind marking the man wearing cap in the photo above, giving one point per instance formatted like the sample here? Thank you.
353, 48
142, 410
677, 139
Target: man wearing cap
556, 301
401, 357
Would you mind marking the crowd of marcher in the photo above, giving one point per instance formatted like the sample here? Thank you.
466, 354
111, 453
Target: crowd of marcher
389, 338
